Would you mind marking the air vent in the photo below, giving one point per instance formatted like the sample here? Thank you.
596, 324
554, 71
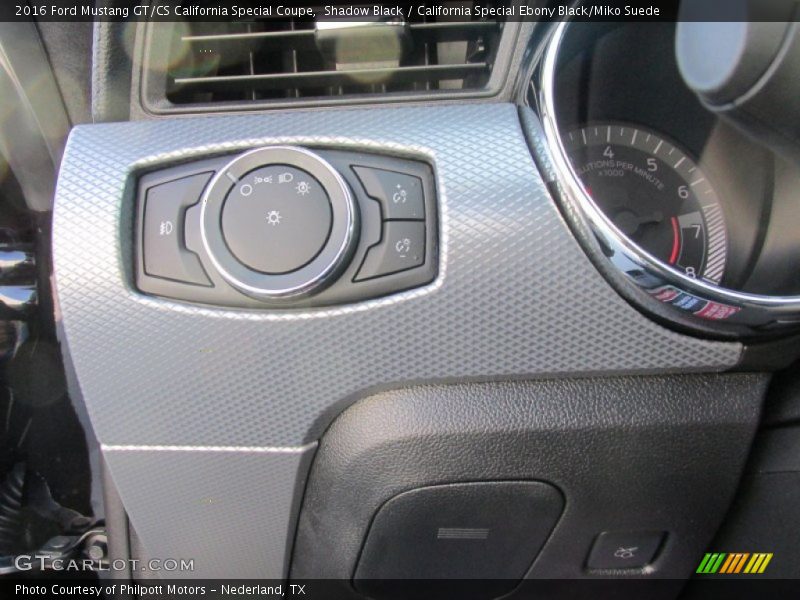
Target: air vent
269, 61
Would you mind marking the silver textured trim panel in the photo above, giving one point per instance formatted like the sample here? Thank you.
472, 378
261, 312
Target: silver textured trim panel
232, 513
175, 391
515, 297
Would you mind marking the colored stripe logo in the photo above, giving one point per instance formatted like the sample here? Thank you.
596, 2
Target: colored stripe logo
732, 563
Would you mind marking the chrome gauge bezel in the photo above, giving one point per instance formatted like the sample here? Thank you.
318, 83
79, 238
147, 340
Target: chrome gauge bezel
754, 314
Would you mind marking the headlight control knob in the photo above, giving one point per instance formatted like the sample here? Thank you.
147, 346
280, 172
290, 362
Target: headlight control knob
278, 222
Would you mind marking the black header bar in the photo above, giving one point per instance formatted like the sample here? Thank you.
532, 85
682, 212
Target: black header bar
510, 10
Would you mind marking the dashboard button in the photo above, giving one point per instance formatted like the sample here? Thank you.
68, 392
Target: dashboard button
400, 196
164, 253
473, 535
624, 549
276, 219
402, 248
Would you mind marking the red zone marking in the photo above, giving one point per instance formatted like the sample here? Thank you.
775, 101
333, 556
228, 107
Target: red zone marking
676, 241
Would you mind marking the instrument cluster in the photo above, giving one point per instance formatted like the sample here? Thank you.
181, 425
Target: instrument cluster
698, 220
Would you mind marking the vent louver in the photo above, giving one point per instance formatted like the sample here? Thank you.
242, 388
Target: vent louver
268, 61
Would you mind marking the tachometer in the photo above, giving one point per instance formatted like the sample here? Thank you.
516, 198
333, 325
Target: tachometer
655, 194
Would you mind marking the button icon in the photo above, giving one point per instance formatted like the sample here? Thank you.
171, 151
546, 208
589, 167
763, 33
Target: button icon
303, 188
402, 247
626, 553
166, 228
285, 178
246, 189
273, 217
624, 549
400, 196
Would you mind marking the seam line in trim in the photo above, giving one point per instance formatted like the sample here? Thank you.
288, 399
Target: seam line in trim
243, 449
